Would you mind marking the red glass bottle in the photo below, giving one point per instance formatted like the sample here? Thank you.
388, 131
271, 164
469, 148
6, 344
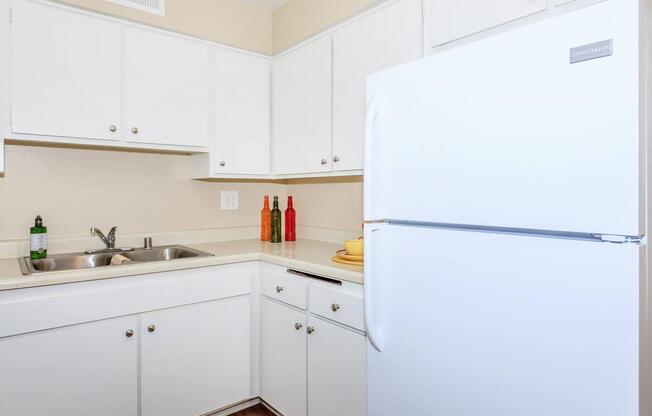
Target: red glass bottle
290, 222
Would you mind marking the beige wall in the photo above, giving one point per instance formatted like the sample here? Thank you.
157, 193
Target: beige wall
139, 192
75, 189
232, 22
296, 20
330, 204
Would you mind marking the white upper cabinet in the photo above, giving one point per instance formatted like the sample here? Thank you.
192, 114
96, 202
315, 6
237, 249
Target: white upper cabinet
454, 19
388, 37
242, 113
79, 370
65, 73
302, 109
196, 358
166, 89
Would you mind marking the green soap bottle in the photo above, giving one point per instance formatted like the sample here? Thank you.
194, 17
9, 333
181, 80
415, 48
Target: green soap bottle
38, 240
276, 222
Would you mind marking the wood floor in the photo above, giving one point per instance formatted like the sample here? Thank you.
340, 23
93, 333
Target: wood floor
258, 410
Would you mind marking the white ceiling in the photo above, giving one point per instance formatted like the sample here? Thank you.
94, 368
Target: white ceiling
271, 4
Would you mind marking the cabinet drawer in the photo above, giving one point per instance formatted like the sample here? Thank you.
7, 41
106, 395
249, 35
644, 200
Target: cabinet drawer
338, 305
278, 284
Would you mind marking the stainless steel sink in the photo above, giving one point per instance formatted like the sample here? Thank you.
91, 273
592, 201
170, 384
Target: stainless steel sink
80, 261
162, 254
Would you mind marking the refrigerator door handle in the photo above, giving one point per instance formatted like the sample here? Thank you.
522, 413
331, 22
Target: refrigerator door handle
373, 109
372, 334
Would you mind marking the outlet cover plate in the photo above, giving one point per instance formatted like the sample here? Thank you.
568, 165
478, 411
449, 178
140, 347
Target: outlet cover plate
228, 200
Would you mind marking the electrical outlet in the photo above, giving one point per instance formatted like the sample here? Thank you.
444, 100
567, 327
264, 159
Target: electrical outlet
228, 200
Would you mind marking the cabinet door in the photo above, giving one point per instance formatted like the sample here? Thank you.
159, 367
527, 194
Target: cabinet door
283, 358
242, 84
302, 109
81, 370
389, 37
336, 370
65, 73
166, 89
453, 19
197, 358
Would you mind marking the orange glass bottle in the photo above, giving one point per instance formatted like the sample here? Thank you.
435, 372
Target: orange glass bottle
265, 221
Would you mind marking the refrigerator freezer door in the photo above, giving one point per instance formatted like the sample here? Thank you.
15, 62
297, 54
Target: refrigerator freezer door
506, 132
472, 323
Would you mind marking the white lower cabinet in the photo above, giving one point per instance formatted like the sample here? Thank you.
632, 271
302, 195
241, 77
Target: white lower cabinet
186, 343
79, 370
196, 358
311, 366
336, 370
283, 358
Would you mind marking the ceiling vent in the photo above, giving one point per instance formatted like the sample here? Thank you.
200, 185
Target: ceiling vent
156, 7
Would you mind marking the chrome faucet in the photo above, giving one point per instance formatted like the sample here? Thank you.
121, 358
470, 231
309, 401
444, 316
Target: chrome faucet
109, 239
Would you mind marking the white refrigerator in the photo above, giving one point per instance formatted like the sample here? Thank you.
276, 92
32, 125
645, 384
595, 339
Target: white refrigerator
505, 210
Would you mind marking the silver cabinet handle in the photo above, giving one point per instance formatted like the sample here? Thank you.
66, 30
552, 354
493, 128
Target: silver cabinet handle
151, 328
336, 159
135, 130
298, 325
310, 329
113, 128
279, 289
335, 307
324, 161
222, 163
129, 333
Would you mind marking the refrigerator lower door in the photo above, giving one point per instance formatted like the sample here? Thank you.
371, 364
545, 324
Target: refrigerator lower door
481, 324
507, 132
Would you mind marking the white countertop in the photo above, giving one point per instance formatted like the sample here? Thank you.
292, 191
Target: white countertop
305, 255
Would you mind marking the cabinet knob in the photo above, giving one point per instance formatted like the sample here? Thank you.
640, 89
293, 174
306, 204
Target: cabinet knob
129, 333
310, 329
336, 159
279, 289
324, 161
335, 307
135, 130
222, 163
298, 325
113, 128
151, 328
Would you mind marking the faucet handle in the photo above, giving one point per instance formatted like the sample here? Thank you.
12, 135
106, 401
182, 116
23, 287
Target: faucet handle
93, 230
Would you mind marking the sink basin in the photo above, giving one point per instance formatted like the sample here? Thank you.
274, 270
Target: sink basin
67, 262
162, 254
81, 261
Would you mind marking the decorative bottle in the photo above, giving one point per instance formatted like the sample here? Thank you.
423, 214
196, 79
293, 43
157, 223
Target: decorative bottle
290, 222
265, 221
276, 222
38, 239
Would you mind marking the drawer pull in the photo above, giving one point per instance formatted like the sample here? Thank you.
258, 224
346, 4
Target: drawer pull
151, 328
129, 333
335, 307
298, 326
279, 289
310, 329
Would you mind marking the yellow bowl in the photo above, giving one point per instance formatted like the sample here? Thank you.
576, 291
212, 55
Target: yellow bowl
354, 247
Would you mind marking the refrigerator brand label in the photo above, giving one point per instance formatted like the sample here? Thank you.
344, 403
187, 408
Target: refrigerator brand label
592, 51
